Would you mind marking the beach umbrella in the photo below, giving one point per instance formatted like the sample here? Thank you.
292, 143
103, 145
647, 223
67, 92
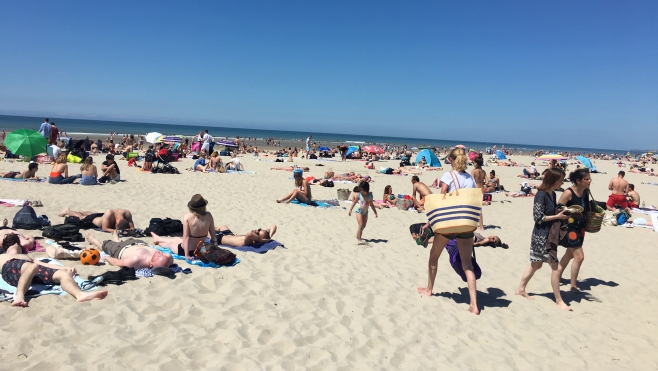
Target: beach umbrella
586, 162
500, 155
26, 142
414, 148
550, 157
373, 149
152, 137
170, 138
226, 143
324, 149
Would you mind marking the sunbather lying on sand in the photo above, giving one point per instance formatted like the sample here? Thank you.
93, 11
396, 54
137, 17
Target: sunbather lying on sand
30, 173
131, 253
478, 239
224, 237
290, 168
13, 242
112, 219
21, 271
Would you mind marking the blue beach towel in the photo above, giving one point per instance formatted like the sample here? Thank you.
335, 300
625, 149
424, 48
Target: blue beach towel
195, 261
260, 248
7, 291
313, 203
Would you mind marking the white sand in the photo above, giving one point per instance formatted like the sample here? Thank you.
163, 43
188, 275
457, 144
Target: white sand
326, 303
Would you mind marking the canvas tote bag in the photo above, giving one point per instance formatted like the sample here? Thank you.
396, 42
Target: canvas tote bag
454, 212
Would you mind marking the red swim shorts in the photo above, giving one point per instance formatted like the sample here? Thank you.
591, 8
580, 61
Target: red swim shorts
617, 200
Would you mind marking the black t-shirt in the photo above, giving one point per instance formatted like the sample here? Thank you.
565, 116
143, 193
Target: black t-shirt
116, 166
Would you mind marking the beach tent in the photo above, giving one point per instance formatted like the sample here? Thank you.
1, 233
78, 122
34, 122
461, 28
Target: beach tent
351, 149
500, 155
586, 162
326, 149
430, 158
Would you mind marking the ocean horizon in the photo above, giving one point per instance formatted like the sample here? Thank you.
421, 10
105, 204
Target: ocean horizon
82, 127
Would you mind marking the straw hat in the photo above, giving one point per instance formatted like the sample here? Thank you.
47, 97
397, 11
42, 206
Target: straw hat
197, 202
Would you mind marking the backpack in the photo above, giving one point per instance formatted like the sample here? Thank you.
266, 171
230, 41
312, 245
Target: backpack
164, 227
150, 157
208, 253
63, 232
26, 218
456, 261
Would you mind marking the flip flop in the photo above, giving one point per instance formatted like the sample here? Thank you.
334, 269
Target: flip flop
88, 285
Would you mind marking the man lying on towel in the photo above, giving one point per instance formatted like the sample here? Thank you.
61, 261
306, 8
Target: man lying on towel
109, 221
224, 237
131, 253
21, 272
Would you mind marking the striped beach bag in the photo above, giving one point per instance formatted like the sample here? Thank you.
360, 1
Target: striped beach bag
454, 212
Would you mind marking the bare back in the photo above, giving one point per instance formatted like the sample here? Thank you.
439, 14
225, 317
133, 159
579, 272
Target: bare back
197, 228
479, 176
422, 189
618, 186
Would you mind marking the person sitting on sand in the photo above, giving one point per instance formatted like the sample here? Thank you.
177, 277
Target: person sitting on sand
200, 163
493, 183
131, 253
529, 173
30, 173
302, 191
422, 189
110, 170
198, 224
234, 164
526, 191
224, 237
89, 172
389, 199
21, 271
619, 188
290, 168
59, 174
110, 220
216, 163
633, 197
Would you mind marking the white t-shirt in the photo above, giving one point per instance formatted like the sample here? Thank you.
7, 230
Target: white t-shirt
56, 151
206, 139
465, 180
533, 169
308, 142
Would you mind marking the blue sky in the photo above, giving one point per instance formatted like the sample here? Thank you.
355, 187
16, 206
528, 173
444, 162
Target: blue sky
564, 73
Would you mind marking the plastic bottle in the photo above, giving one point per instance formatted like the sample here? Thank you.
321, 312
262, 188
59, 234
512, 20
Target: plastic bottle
643, 204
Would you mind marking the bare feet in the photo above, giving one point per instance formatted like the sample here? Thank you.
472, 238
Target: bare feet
523, 293
5, 222
64, 212
424, 291
474, 309
563, 305
156, 238
279, 201
92, 240
506, 194
19, 301
91, 295
115, 236
575, 290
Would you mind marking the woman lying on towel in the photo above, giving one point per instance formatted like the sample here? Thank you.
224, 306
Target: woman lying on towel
224, 237
30, 173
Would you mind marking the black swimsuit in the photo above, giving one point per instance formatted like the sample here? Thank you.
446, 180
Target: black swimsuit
576, 227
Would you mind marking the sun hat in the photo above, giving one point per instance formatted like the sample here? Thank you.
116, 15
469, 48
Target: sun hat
197, 202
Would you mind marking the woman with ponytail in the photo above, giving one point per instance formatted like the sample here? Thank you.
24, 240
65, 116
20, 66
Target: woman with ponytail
459, 162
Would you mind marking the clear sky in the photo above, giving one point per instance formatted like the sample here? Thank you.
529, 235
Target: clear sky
568, 73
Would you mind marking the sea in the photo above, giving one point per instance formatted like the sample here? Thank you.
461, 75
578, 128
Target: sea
79, 128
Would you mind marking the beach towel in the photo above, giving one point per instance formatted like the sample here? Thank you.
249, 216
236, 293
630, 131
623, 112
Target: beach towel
654, 221
42, 180
7, 291
195, 261
316, 203
240, 172
162, 271
260, 248
11, 203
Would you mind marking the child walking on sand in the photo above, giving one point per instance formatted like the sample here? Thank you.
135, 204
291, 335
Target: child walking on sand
362, 199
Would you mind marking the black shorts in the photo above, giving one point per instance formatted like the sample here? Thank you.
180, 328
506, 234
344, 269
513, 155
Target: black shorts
11, 273
221, 234
88, 221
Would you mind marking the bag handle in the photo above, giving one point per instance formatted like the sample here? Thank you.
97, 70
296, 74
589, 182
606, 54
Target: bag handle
454, 181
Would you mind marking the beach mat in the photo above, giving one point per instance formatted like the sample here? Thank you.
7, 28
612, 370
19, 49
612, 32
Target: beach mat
319, 204
7, 291
42, 180
260, 248
195, 261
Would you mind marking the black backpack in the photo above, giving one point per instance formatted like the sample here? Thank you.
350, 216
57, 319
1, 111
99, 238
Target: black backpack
26, 218
164, 227
63, 232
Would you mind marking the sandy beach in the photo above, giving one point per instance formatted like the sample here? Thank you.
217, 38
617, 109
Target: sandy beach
324, 302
